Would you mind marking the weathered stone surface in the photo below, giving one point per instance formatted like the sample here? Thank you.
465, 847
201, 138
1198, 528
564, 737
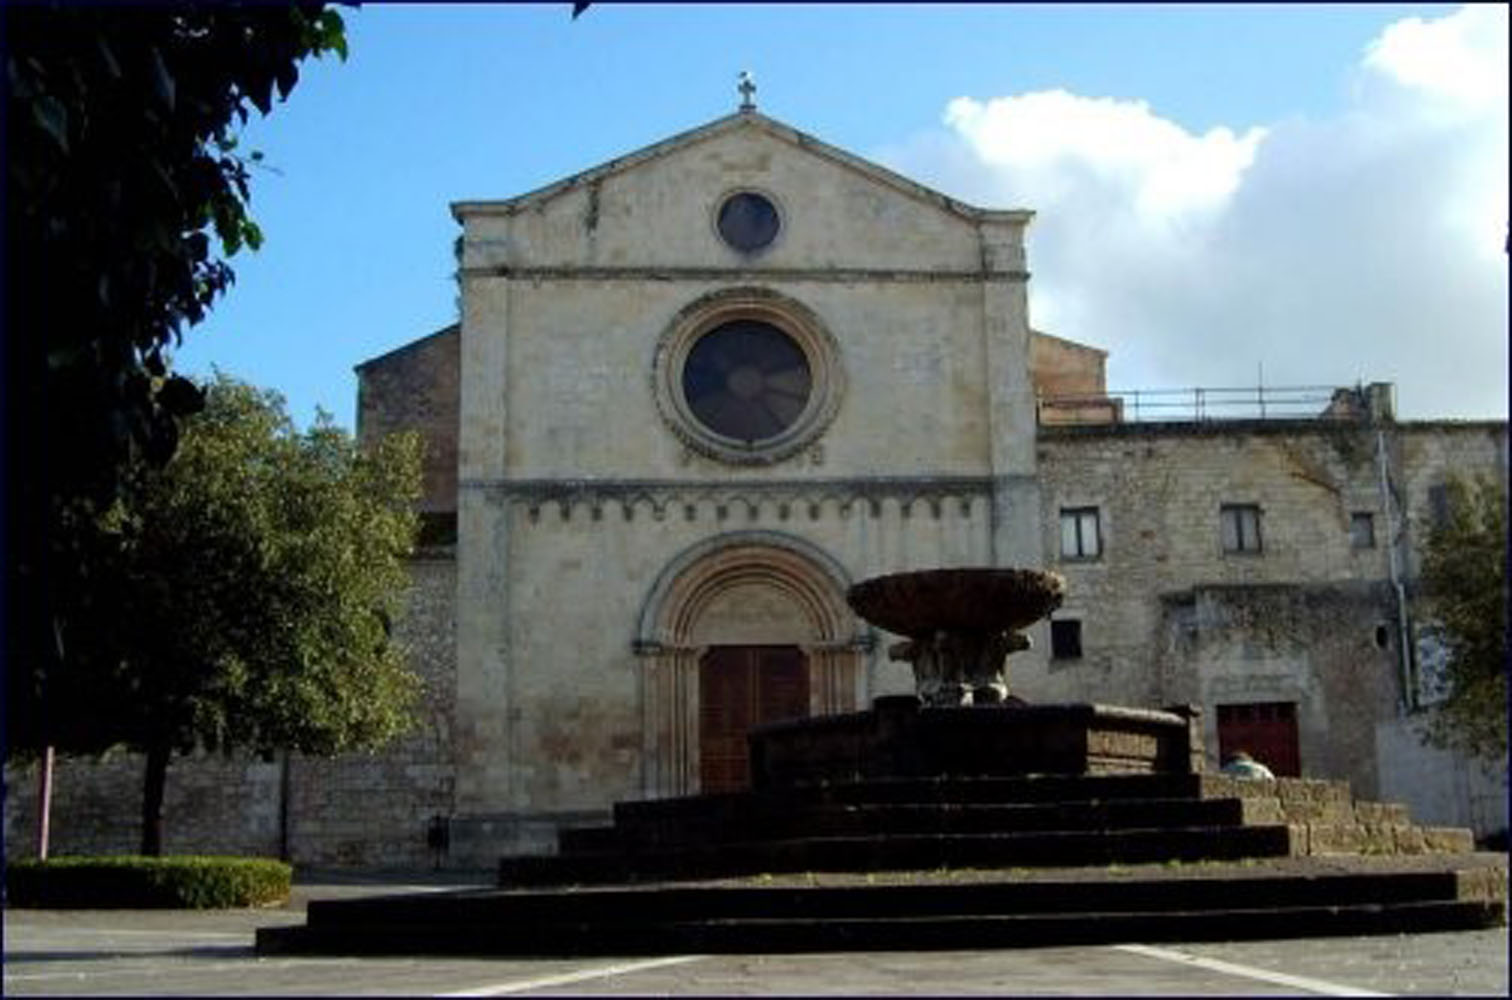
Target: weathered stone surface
600, 555
1410, 840
1448, 839
922, 602
899, 738
962, 624
417, 388
1167, 616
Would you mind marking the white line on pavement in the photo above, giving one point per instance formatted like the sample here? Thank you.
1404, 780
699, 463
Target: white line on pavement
115, 973
1250, 972
521, 985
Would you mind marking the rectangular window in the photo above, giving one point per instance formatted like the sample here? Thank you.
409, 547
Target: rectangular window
1065, 639
1081, 537
1240, 525
1361, 530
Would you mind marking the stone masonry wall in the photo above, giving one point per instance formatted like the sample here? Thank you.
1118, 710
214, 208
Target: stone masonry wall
371, 810
1167, 616
1328, 648
1429, 453
418, 388
212, 805
1061, 367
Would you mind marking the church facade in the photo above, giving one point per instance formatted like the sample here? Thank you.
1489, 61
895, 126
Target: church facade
697, 392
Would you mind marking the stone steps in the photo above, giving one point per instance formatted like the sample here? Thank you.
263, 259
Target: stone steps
945, 790
912, 818
921, 823
888, 851
1210, 902
914, 830
949, 863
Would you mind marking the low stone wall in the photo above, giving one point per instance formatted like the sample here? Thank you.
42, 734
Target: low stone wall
211, 804
1324, 819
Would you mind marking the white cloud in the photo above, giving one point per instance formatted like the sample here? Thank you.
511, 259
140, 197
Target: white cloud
1365, 246
1169, 172
1462, 57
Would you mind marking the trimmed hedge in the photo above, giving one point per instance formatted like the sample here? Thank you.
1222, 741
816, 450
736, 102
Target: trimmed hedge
192, 882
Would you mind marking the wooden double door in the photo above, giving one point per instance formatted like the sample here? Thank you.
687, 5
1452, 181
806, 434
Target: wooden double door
740, 687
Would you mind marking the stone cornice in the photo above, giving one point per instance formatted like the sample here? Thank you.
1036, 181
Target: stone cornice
745, 119
829, 275
790, 497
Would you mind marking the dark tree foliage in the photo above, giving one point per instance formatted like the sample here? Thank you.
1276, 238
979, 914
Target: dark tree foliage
123, 193
242, 596
1465, 580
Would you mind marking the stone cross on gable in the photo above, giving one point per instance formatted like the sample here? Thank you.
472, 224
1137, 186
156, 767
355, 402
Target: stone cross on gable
747, 90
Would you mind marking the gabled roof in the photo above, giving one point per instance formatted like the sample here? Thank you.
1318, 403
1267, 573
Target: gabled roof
731, 123
450, 328
1073, 344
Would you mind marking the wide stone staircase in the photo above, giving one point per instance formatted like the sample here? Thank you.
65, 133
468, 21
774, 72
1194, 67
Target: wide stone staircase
954, 822
950, 862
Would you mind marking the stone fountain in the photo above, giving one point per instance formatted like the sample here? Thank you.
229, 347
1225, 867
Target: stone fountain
961, 776
959, 626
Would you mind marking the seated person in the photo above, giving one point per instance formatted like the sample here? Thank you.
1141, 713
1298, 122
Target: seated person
1242, 765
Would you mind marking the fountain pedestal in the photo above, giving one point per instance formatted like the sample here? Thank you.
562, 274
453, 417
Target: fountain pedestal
902, 738
960, 625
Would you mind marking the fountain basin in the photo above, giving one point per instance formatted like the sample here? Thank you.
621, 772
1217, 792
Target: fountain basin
896, 739
922, 602
961, 625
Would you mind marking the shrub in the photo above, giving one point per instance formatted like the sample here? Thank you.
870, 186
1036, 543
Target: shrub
131, 882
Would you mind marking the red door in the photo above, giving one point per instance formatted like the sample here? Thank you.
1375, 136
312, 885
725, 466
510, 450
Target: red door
740, 687
1267, 731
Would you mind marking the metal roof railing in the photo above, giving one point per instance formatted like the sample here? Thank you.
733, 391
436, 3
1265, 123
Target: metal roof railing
1198, 405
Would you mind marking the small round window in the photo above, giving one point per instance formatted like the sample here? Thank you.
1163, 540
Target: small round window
746, 380
748, 221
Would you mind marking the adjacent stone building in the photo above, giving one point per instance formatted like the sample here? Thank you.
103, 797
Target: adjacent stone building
698, 391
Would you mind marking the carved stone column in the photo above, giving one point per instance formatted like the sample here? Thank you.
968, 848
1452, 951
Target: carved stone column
669, 719
835, 673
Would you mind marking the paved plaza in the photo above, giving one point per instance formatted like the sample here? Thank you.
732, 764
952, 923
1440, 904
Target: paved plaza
184, 953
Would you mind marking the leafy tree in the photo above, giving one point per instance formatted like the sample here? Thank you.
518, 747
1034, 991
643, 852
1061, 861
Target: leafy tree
1464, 579
243, 596
121, 173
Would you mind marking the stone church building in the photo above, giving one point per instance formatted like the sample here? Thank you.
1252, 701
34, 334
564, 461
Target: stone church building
697, 392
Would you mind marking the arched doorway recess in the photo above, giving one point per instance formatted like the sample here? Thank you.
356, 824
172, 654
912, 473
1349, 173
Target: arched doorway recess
723, 602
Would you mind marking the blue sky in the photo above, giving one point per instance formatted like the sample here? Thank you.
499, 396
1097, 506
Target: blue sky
1318, 190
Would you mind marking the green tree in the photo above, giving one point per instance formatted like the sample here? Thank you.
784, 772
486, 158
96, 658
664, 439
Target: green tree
122, 177
243, 596
1465, 583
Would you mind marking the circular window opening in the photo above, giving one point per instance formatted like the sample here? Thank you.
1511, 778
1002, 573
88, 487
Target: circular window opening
747, 376
746, 380
748, 221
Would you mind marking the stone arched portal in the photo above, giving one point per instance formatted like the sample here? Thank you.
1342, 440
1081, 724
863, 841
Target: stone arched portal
753, 589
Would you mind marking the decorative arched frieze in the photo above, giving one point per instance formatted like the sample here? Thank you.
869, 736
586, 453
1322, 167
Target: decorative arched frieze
743, 499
